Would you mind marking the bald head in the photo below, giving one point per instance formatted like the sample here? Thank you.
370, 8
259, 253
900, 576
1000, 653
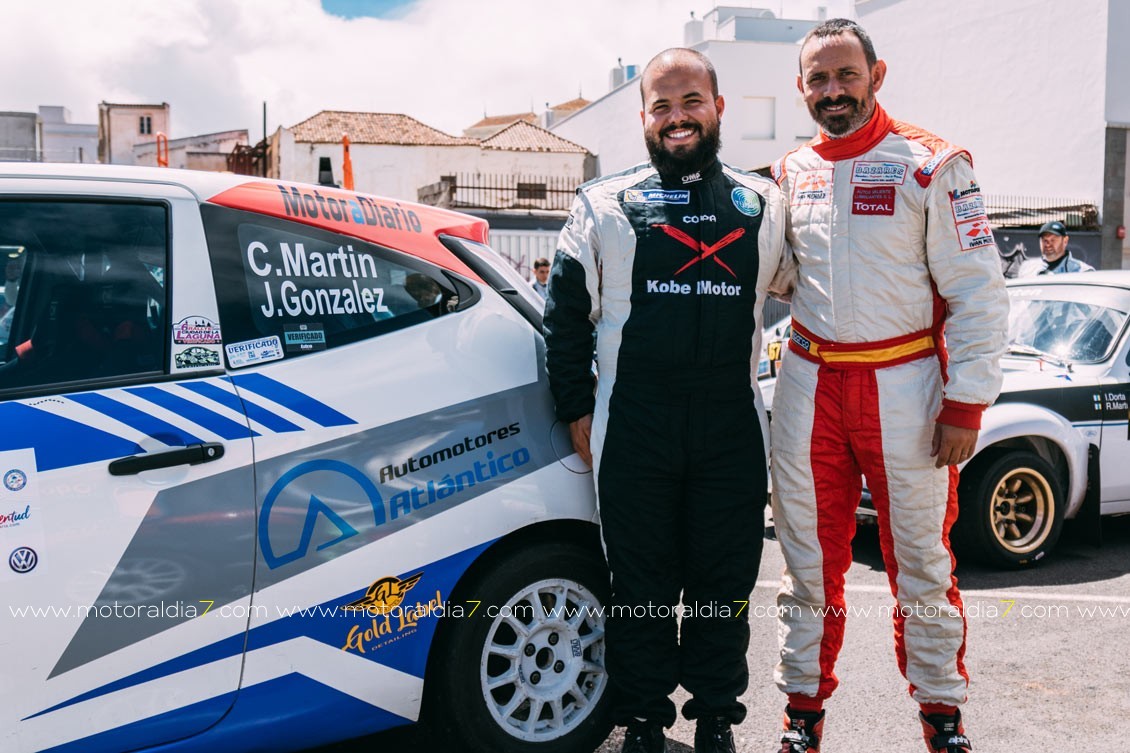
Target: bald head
678, 58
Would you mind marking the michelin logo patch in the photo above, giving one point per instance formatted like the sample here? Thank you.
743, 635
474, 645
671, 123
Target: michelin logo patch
656, 196
746, 200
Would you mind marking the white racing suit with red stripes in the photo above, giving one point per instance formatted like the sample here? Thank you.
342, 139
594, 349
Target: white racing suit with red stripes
892, 244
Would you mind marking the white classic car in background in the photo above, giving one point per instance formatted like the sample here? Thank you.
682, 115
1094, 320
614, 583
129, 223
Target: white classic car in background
1056, 444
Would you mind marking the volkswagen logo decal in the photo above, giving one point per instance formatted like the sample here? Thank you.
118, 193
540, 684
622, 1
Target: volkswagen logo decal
23, 560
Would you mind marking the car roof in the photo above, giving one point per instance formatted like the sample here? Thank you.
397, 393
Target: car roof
402, 225
1117, 278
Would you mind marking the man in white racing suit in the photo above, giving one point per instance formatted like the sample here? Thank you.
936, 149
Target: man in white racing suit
899, 321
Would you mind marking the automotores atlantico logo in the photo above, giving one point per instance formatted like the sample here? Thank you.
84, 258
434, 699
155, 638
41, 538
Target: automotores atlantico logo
388, 616
329, 497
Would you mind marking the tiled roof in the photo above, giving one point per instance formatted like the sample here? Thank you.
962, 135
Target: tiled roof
527, 137
328, 126
571, 105
504, 120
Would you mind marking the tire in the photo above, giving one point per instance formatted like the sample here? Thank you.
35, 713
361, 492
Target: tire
1011, 509
514, 679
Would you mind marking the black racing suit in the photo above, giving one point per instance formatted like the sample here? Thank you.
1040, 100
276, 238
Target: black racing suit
672, 275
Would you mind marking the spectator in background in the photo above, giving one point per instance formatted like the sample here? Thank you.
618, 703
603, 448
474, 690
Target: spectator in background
1055, 258
541, 278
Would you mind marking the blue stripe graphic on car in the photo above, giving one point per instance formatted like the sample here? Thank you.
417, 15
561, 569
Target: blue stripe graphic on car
255, 412
308, 703
214, 422
231, 646
304, 405
58, 442
134, 418
321, 622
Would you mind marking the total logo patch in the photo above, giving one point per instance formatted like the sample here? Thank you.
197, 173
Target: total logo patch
873, 200
878, 173
813, 187
656, 196
746, 201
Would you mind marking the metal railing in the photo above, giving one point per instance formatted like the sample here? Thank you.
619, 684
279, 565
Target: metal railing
477, 191
1033, 211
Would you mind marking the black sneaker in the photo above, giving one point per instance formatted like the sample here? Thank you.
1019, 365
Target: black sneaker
944, 733
712, 735
803, 730
644, 737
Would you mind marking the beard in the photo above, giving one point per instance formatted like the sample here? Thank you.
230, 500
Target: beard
847, 122
684, 160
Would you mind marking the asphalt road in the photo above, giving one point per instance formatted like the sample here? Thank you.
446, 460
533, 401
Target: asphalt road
1047, 655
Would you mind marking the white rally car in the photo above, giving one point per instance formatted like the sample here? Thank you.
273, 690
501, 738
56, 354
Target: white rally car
1056, 444
280, 468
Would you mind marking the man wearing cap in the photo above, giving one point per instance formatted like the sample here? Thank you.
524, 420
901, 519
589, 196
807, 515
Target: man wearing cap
1055, 258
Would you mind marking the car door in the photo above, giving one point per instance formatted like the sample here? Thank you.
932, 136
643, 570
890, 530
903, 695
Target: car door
401, 394
1113, 395
126, 512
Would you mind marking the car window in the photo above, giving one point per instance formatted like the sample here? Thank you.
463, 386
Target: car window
286, 289
1071, 330
84, 291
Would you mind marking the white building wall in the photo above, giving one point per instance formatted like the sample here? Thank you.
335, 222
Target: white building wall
400, 171
1020, 83
610, 128
750, 77
753, 79
1118, 63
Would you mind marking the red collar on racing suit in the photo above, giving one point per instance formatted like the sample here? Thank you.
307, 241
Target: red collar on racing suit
860, 142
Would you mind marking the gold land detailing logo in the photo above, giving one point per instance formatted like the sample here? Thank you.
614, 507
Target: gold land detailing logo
385, 594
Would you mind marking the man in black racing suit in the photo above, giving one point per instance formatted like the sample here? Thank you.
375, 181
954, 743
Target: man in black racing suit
670, 262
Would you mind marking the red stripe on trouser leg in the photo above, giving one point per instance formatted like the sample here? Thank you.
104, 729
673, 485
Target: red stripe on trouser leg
878, 465
837, 483
869, 450
953, 594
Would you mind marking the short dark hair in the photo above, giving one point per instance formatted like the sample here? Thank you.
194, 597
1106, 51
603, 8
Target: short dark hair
542, 262
834, 27
687, 52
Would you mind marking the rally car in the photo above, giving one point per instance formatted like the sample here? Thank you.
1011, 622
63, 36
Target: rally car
1056, 445
280, 468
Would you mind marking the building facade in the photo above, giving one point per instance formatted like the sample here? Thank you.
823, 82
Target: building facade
207, 151
19, 137
1039, 92
395, 155
755, 55
64, 141
122, 126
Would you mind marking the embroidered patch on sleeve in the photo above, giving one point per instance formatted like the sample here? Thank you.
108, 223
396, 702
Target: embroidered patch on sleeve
813, 187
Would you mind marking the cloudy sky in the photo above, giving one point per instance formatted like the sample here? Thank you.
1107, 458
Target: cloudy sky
216, 61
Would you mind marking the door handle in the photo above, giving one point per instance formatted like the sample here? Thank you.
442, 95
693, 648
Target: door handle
193, 454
